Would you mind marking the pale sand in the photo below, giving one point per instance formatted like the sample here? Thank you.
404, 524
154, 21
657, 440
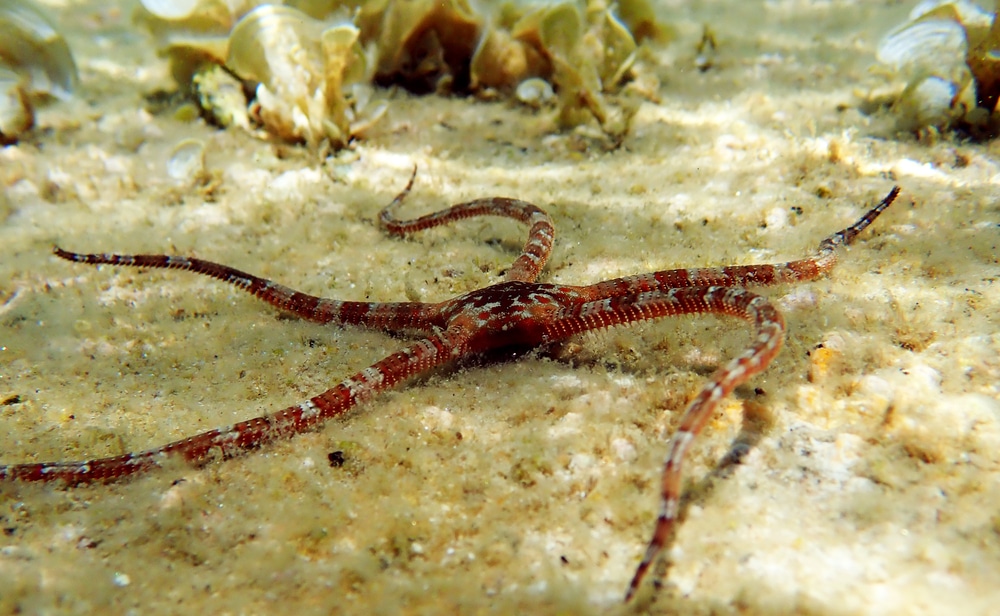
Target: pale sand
870, 488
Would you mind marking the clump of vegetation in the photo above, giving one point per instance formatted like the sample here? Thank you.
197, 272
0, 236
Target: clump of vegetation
309, 66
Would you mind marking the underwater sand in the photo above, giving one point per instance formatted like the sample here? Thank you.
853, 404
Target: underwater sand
870, 480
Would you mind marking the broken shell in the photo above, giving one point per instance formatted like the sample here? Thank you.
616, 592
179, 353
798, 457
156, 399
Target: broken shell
344, 58
16, 113
561, 27
984, 62
343, 65
187, 161
367, 117
31, 46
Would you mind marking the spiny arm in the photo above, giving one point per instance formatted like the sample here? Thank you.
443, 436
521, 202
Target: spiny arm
394, 316
729, 301
233, 440
799, 270
537, 248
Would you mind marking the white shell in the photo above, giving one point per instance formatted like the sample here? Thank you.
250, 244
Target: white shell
933, 45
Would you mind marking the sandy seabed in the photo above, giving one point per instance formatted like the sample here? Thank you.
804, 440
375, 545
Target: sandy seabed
870, 476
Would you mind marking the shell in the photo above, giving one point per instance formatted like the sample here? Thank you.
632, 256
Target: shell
301, 68
31, 47
35, 63
614, 49
179, 18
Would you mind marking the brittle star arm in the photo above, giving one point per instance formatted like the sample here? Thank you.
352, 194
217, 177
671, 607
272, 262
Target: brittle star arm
675, 292
229, 441
541, 231
729, 301
387, 316
800, 270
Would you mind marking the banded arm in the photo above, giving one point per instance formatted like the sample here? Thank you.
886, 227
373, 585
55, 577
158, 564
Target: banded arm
799, 270
537, 248
230, 441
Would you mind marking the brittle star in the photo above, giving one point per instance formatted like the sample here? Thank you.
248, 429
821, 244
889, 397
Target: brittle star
515, 314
